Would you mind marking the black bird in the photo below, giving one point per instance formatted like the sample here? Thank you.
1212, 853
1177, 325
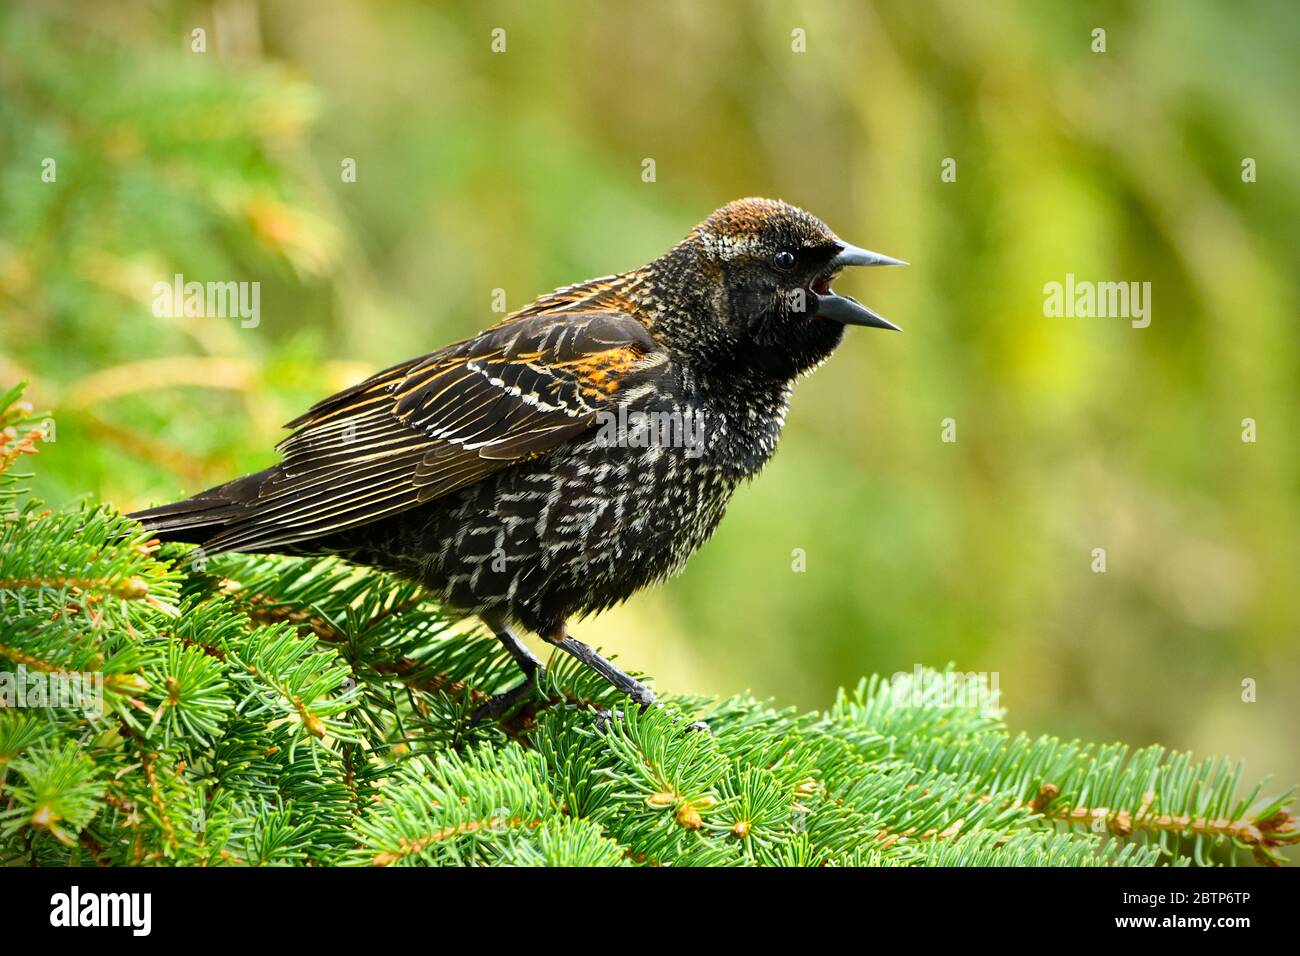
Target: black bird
559, 461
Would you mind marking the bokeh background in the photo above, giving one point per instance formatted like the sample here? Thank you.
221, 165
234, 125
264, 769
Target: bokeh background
522, 171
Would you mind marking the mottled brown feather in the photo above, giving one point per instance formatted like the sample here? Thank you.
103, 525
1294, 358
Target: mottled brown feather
422, 429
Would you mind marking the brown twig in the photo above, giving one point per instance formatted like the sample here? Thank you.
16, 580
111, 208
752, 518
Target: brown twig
412, 847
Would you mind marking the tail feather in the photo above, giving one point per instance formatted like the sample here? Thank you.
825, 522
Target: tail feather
198, 519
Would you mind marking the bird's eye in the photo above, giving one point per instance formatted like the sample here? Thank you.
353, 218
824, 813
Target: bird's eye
784, 260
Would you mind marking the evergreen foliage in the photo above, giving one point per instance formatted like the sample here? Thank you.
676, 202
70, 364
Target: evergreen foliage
262, 710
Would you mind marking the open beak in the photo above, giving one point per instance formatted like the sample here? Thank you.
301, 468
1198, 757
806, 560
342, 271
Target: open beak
845, 308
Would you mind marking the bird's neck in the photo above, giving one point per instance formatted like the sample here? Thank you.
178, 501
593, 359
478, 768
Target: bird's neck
742, 417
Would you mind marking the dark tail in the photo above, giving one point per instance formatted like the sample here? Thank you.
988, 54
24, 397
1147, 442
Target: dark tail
197, 520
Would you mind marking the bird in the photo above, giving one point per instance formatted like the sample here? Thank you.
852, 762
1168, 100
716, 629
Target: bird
575, 452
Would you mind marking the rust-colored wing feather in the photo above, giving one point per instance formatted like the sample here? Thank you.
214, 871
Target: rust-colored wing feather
430, 426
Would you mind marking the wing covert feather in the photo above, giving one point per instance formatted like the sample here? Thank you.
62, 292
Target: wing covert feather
425, 428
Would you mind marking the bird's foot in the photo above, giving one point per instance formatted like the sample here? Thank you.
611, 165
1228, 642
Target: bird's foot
498, 705
640, 694
605, 717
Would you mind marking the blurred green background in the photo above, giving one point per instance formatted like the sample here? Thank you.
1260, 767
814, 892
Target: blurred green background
522, 171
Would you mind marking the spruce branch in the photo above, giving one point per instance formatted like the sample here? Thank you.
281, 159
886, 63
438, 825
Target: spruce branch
277, 711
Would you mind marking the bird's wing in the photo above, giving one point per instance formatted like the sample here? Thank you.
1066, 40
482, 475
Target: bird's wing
430, 426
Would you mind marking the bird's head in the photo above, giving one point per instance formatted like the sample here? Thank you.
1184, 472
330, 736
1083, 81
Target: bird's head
766, 269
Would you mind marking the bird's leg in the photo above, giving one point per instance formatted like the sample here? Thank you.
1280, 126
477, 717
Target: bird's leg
501, 703
526, 659
641, 695
639, 692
